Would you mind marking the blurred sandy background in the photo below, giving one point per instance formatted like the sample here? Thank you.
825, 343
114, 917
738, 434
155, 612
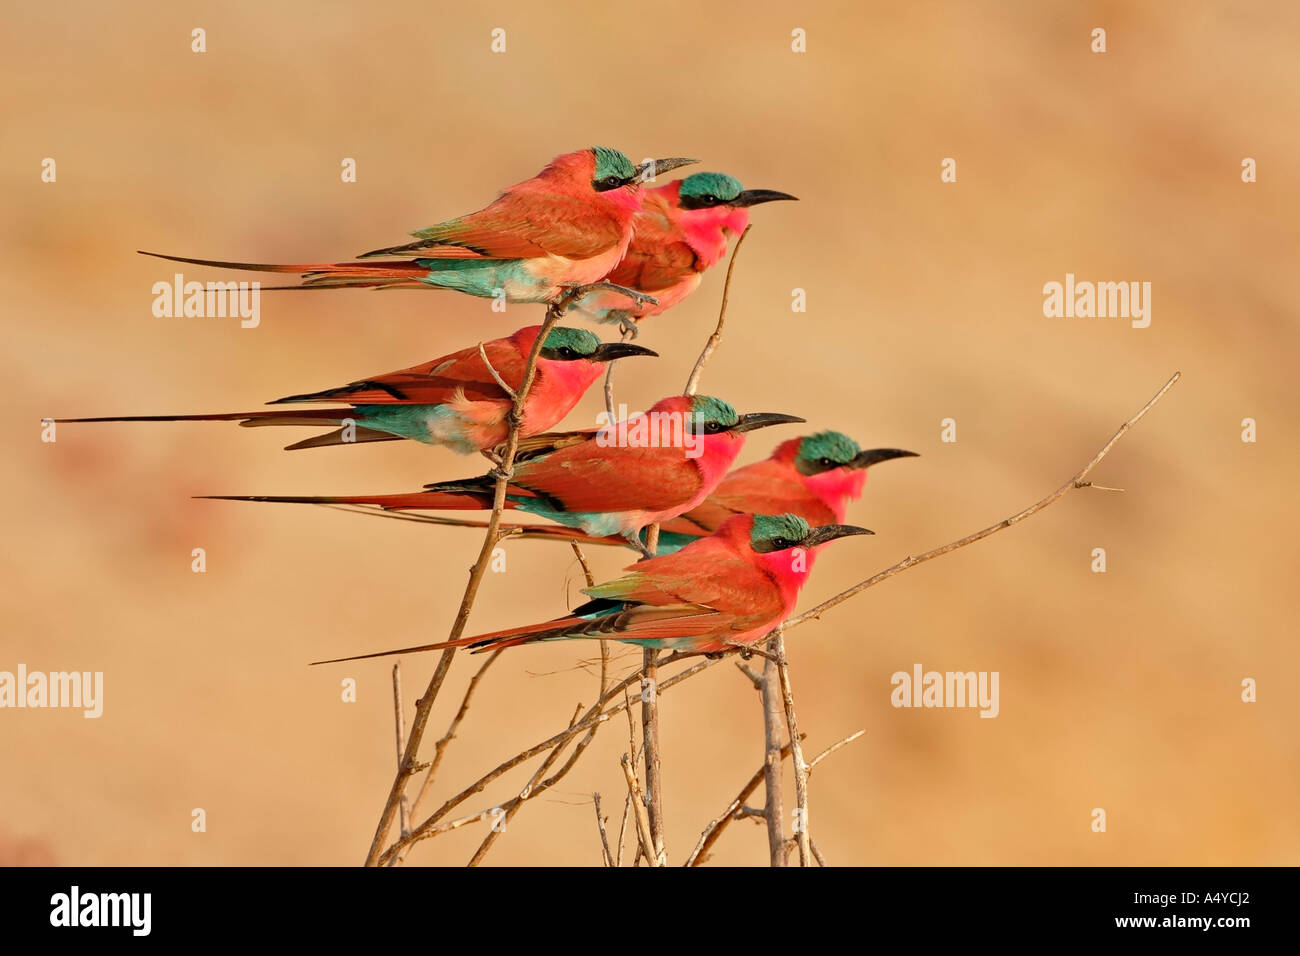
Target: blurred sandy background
924, 302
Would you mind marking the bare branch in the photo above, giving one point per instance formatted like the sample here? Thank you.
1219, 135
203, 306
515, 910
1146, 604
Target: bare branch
604, 645
773, 808
594, 717
732, 812
511, 807
1075, 482
628, 335
622, 829
600, 824
424, 705
755, 679
834, 747
399, 723
821, 860
500, 381
693, 382
638, 809
796, 751
650, 732
441, 746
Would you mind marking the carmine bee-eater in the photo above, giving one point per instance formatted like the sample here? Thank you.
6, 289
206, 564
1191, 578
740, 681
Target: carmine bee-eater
453, 401
565, 228
682, 229
721, 592
616, 479
814, 477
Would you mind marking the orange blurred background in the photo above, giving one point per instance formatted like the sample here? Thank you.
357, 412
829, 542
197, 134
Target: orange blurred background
1118, 690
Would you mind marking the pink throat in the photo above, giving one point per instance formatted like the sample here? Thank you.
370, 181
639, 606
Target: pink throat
708, 230
788, 569
837, 487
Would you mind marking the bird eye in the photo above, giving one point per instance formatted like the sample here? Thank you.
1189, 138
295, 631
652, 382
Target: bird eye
568, 353
709, 200
828, 463
712, 428
780, 544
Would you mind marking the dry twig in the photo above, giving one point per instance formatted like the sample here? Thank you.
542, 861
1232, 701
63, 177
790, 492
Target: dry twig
639, 811
424, 705
693, 381
908, 562
600, 824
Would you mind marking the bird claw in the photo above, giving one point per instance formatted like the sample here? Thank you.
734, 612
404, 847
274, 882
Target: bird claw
627, 325
633, 539
640, 298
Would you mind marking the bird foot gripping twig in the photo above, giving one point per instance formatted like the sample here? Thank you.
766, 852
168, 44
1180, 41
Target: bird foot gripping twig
633, 539
628, 326
573, 293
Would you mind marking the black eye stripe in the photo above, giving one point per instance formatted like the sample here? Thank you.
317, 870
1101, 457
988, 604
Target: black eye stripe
701, 202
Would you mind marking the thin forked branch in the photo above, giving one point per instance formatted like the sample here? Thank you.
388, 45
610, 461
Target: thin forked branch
424, 705
908, 562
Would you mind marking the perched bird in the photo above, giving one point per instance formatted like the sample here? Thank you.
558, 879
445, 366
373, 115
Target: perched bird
681, 230
721, 592
617, 479
814, 477
453, 401
565, 228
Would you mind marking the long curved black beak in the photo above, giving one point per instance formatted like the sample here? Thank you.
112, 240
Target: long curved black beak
654, 167
829, 532
873, 456
754, 420
752, 197
609, 351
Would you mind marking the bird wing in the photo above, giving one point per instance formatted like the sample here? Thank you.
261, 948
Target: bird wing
658, 256
547, 443
649, 269
458, 376
585, 477
765, 487
522, 224
710, 573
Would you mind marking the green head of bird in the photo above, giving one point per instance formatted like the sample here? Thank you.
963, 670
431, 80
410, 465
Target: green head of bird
572, 345
713, 416
829, 450
613, 169
706, 190
824, 451
771, 533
